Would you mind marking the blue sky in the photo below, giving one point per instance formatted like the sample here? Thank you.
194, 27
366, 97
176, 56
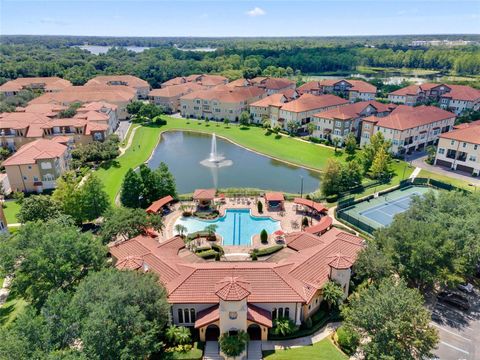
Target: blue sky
238, 18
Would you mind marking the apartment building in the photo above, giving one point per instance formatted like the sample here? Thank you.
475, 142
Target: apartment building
219, 103
36, 165
119, 95
351, 89
460, 98
460, 149
343, 120
139, 85
273, 85
268, 107
454, 98
93, 121
169, 97
45, 84
301, 110
409, 128
207, 80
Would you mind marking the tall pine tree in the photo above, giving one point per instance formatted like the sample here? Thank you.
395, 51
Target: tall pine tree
132, 190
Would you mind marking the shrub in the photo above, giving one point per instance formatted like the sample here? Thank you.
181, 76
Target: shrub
347, 340
305, 222
269, 250
207, 254
218, 249
308, 323
187, 214
259, 207
283, 326
233, 345
264, 236
254, 256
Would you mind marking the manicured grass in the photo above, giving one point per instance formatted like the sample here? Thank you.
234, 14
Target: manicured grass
112, 173
195, 354
11, 209
447, 179
322, 350
11, 309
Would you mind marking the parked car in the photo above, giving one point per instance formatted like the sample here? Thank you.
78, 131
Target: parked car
454, 299
468, 288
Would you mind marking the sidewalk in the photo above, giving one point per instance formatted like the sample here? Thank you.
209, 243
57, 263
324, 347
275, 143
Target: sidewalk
321, 334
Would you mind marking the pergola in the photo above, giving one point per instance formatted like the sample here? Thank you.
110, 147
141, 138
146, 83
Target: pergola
204, 197
314, 206
274, 200
158, 205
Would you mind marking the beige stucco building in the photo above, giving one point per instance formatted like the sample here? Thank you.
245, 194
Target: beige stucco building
219, 103
220, 297
168, 97
353, 90
409, 128
460, 149
36, 165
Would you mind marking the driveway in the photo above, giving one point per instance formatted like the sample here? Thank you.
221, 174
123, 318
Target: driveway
459, 331
417, 159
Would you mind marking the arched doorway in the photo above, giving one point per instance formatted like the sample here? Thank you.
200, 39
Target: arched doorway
212, 333
254, 332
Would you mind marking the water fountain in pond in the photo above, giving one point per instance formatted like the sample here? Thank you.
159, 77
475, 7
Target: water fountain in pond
215, 160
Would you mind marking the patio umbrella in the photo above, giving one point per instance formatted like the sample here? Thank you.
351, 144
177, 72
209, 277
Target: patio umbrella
279, 233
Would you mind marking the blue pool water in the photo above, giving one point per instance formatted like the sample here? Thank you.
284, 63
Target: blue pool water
237, 227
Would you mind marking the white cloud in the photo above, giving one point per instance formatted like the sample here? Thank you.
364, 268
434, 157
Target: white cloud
256, 11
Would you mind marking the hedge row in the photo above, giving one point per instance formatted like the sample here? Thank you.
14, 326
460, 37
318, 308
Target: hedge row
268, 250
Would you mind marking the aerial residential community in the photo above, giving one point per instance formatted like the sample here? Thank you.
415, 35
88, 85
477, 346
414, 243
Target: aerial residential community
278, 196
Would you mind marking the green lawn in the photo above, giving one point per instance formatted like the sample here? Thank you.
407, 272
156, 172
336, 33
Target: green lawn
10, 310
322, 350
447, 179
11, 209
284, 148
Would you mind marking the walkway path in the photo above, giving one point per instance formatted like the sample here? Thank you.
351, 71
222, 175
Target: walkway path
130, 140
321, 334
415, 173
5, 289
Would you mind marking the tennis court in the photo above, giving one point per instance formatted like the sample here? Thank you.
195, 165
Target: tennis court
379, 212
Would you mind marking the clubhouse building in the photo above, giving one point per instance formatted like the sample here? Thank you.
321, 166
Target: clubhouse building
226, 296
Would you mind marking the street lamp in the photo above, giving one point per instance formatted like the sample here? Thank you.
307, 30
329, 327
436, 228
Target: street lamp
301, 186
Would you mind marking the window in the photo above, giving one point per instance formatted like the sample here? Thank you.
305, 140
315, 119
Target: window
287, 312
280, 312
464, 145
180, 316
441, 151
475, 147
452, 142
472, 158
337, 132
186, 315
338, 123
196, 108
24, 178
35, 178
274, 313
192, 315
366, 135
29, 167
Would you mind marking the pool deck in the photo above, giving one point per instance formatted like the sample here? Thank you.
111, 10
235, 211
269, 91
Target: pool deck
290, 221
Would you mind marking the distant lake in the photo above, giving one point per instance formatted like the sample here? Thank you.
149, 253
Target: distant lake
183, 152
99, 49
200, 49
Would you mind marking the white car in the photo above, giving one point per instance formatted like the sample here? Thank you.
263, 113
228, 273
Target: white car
466, 287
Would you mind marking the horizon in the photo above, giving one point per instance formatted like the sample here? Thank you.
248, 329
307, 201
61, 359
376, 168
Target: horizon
239, 19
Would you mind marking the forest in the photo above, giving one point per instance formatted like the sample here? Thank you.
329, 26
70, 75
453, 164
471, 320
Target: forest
24, 56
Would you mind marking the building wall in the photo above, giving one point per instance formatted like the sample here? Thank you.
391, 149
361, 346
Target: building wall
363, 96
458, 106
213, 109
195, 307
472, 158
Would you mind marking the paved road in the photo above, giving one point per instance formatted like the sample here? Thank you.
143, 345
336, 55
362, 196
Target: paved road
459, 330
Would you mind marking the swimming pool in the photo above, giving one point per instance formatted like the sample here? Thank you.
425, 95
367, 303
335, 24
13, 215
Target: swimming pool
236, 227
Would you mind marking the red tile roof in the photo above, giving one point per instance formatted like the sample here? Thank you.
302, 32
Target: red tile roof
469, 133
157, 205
362, 86
232, 289
294, 279
40, 149
408, 90
324, 223
274, 196
270, 83
48, 83
176, 90
352, 111
128, 80
204, 194
130, 263
309, 102
207, 316
311, 204
407, 117
31, 122
463, 92
273, 100
340, 261
302, 240
259, 315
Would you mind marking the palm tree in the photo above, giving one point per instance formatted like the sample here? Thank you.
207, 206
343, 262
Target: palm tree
180, 229
310, 128
332, 293
266, 122
210, 229
336, 142
178, 335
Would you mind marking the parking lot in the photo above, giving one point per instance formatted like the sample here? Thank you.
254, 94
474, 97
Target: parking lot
459, 330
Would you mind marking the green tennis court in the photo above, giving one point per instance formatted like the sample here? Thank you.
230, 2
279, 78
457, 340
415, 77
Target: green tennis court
379, 212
